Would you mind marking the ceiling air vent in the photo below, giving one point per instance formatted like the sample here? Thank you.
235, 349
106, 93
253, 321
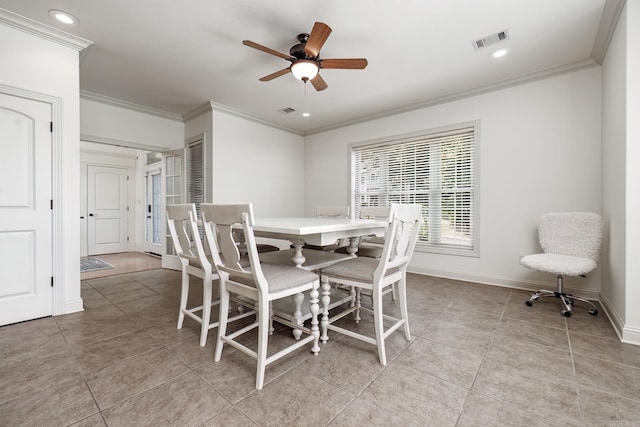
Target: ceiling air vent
287, 110
490, 39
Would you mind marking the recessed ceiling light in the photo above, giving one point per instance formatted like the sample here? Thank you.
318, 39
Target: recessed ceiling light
63, 17
499, 53
306, 114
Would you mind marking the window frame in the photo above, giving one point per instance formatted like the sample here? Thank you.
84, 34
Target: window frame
423, 246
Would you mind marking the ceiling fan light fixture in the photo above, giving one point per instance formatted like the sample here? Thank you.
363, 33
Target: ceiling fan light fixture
304, 70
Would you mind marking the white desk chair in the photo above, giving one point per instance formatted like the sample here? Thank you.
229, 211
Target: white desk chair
377, 275
570, 244
261, 283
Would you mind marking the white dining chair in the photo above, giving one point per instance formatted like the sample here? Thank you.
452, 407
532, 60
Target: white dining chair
261, 283
375, 276
178, 222
372, 246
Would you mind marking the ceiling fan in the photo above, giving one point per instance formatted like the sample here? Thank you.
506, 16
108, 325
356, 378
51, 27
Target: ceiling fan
305, 58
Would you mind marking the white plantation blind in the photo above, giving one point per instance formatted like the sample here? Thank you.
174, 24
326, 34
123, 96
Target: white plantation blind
436, 171
195, 168
195, 174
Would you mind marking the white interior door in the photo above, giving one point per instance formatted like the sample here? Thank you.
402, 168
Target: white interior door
107, 210
25, 210
153, 212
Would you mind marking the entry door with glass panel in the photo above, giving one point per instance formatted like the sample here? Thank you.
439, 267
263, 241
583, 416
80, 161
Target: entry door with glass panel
153, 212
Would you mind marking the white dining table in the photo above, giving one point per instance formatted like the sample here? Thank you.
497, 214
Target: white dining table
317, 231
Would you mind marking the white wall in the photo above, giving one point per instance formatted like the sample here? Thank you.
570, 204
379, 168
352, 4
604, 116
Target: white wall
24, 53
631, 331
621, 175
539, 151
614, 259
254, 162
107, 123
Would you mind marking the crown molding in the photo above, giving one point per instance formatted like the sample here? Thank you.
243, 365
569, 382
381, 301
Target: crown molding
121, 143
608, 23
213, 106
207, 107
238, 113
502, 84
128, 105
43, 31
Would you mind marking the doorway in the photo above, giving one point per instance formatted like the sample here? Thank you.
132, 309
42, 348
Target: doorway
107, 210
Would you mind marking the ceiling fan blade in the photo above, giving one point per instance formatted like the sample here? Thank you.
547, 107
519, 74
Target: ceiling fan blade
317, 37
267, 50
275, 75
319, 83
344, 63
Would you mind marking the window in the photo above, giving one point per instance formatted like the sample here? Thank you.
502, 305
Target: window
436, 170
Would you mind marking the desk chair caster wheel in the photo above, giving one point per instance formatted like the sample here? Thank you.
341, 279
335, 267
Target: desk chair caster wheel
593, 312
566, 313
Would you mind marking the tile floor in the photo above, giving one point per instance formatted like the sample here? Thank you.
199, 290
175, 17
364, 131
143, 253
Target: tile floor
125, 262
478, 356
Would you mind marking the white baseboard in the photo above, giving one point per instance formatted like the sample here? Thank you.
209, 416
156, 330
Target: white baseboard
506, 282
631, 335
626, 334
73, 306
612, 314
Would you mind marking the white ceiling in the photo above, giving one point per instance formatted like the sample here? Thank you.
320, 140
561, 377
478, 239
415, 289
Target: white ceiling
176, 56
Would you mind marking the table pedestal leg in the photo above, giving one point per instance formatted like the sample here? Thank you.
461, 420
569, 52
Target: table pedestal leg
298, 259
353, 245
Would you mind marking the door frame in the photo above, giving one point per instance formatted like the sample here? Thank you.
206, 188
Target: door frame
96, 158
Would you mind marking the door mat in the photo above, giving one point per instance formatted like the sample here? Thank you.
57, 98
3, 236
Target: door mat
93, 264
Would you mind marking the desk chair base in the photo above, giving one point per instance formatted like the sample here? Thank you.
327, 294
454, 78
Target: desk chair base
566, 299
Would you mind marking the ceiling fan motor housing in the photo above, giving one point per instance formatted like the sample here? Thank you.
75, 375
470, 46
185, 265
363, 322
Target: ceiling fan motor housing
297, 50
